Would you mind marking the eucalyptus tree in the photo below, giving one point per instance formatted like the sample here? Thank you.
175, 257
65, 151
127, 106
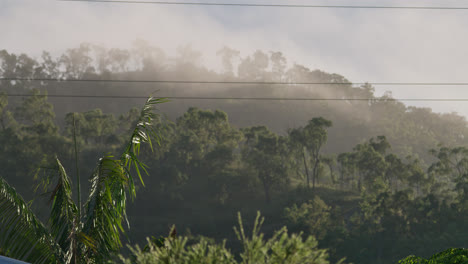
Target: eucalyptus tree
76, 233
264, 151
346, 168
6, 117
371, 165
417, 177
254, 67
93, 126
36, 114
213, 142
451, 162
202, 153
330, 162
78, 62
396, 171
312, 137
3, 110
312, 217
298, 142
227, 56
316, 132
29, 134
450, 170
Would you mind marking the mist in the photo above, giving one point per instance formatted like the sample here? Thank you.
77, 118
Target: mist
398, 46
341, 169
147, 62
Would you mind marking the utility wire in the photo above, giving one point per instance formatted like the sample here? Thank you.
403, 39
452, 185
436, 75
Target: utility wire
249, 98
272, 5
236, 82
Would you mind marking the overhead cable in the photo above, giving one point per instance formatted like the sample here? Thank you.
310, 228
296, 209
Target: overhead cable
247, 98
271, 5
235, 82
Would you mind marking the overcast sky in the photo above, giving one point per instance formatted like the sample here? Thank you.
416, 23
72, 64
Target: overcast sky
361, 44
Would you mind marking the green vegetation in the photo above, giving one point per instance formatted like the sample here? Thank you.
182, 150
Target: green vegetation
71, 236
280, 248
449, 256
372, 181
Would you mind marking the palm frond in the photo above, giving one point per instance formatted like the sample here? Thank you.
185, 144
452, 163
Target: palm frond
106, 206
143, 133
64, 218
22, 235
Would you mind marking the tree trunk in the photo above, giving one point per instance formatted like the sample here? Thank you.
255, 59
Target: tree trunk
306, 168
266, 188
3, 123
342, 180
380, 248
332, 175
315, 171
359, 182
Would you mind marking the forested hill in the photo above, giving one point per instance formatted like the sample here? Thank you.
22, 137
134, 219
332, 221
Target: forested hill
325, 168
408, 129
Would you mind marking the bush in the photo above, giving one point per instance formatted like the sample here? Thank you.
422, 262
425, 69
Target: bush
281, 248
449, 256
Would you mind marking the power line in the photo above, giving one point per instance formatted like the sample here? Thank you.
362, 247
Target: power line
272, 5
237, 82
248, 98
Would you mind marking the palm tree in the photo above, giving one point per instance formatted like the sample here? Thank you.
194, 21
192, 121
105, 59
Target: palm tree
75, 233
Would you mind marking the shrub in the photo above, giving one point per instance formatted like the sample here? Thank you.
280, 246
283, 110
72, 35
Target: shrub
449, 256
280, 248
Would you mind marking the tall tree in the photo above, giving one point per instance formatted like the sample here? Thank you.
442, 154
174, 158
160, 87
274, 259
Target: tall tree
263, 151
330, 162
308, 141
370, 161
316, 135
36, 114
298, 144
450, 168
6, 117
93, 126
347, 168
227, 56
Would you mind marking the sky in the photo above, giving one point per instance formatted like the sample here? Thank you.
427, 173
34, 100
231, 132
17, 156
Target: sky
364, 45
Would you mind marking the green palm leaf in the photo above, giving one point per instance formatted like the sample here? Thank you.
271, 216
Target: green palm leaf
64, 218
106, 206
22, 235
75, 238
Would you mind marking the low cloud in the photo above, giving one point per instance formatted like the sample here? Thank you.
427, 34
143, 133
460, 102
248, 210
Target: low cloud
362, 45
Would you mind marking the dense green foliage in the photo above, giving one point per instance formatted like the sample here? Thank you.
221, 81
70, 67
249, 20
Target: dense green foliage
73, 236
386, 180
449, 256
280, 248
